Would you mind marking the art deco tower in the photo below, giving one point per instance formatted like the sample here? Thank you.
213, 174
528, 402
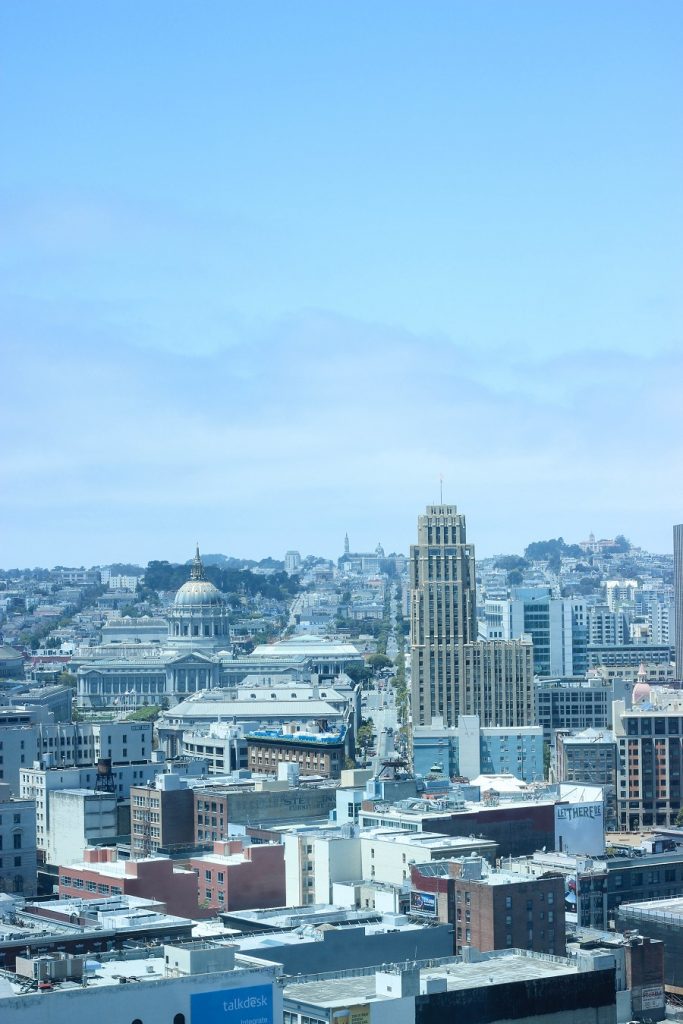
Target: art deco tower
452, 672
443, 613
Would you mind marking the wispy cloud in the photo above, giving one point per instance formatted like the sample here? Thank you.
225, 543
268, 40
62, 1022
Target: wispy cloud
318, 423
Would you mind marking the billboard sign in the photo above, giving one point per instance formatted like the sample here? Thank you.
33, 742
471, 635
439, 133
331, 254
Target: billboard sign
652, 997
358, 1014
252, 1005
423, 903
580, 829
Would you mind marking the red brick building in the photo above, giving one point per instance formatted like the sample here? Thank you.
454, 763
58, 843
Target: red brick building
314, 753
491, 909
238, 876
157, 878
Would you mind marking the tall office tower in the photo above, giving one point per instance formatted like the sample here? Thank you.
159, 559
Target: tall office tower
678, 598
443, 613
452, 672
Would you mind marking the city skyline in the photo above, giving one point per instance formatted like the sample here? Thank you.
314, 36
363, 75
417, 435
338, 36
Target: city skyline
269, 272
182, 558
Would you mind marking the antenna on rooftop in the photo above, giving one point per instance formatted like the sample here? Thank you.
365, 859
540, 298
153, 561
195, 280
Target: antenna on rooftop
441, 488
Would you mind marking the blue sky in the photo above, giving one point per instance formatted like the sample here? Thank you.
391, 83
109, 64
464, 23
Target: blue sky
268, 269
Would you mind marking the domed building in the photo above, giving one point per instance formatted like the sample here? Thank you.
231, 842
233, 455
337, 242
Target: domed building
642, 693
199, 619
197, 656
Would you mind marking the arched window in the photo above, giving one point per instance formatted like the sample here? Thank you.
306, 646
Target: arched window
179, 1018
136, 1021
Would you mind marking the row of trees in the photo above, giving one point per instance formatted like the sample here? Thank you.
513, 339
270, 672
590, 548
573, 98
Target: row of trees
161, 575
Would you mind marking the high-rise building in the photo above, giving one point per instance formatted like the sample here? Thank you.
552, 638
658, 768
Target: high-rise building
292, 562
557, 627
678, 597
443, 613
452, 672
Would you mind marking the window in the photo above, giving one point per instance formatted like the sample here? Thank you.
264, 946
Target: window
17, 840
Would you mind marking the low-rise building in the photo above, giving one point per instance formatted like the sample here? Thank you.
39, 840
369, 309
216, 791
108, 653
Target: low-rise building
78, 818
101, 924
239, 876
481, 987
161, 815
590, 757
491, 909
518, 827
101, 873
256, 802
18, 865
662, 922
578, 703
193, 981
469, 749
316, 859
650, 759
38, 783
315, 751
36, 738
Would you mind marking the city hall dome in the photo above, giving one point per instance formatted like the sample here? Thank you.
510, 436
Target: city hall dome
198, 592
200, 616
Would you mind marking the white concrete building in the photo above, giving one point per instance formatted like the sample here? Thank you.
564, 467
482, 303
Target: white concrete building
193, 982
79, 818
37, 784
67, 743
315, 859
386, 854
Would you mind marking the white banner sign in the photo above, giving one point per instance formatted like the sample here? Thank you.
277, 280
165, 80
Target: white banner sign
580, 829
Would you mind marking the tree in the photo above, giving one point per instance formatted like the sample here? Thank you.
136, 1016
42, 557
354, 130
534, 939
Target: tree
679, 819
365, 733
379, 661
511, 562
358, 673
621, 544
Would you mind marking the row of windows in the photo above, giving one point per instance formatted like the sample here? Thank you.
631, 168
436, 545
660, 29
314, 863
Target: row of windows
99, 887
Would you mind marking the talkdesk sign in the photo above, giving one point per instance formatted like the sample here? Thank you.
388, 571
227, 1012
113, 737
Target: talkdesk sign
234, 1006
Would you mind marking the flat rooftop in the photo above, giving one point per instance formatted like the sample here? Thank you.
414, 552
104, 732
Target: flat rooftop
423, 840
502, 969
117, 868
670, 908
102, 973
